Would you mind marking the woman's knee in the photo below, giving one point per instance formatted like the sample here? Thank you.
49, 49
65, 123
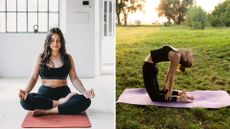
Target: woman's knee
84, 102
87, 103
76, 105
25, 104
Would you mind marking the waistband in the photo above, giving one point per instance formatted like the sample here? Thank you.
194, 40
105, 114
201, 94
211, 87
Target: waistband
60, 87
148, 63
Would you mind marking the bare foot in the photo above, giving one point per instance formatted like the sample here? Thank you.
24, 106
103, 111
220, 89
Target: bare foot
186, 95
39, 112
183, 99
63, 100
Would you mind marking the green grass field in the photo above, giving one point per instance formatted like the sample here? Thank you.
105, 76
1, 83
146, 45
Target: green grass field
211, 71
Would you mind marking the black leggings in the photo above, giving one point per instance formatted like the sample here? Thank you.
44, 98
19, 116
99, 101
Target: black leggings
150, 72
43, 100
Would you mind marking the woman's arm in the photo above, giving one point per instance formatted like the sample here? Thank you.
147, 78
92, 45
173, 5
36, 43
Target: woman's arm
32, 79
77, 82
175, 59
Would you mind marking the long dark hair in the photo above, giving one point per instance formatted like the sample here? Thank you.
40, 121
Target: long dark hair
45, 55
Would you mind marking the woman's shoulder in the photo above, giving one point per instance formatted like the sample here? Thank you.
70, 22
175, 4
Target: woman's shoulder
68, 55
38, 59
39, 56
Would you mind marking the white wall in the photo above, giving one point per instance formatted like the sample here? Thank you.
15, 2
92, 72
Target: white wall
97, 37
17, 51
81, 36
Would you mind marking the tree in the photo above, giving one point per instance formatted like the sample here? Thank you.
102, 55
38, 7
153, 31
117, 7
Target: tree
126, 7
174, 9
196, 17
119, 7
221, 14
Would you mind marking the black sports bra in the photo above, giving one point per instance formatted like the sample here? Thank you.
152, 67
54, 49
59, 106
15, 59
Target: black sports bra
161, 54
47, 72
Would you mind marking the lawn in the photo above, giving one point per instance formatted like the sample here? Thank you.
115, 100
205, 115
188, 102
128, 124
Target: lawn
211, 71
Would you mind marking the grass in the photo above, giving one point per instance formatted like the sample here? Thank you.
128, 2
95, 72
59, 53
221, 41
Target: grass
211, 71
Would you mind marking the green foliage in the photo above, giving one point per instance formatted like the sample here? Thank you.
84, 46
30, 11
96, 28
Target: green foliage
211, 71
174, 9
221, 15
196, 17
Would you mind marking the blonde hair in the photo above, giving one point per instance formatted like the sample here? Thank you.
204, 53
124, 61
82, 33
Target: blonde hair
185, 60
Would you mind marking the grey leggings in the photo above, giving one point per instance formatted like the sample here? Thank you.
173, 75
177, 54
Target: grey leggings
43, 100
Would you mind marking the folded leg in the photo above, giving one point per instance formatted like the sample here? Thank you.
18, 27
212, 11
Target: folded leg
36, 101
76, 105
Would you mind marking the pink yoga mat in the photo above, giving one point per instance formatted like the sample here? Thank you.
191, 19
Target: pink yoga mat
203, 99
56, 121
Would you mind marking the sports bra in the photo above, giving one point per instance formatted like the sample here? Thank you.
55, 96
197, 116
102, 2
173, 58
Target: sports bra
47, 72
161, 54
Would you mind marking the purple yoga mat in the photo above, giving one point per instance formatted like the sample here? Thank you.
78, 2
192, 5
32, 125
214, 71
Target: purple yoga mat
203, 99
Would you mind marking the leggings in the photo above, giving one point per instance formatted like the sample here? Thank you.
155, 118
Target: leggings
150, 72
43, 100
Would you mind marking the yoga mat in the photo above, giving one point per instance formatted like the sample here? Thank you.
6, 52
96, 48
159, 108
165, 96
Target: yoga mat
56, 121
203, 99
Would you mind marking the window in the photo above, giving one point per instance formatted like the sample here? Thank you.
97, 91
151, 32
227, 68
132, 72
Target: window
29, 15
108, 15
105, 18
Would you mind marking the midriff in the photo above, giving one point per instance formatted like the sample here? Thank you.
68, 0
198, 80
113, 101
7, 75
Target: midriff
149, 59
53, 83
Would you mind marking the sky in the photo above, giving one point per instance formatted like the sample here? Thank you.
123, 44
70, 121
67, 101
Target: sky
150, 15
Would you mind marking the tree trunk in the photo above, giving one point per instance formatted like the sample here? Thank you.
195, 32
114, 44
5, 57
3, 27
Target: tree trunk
175, 20
118, 19
125, 18
169, 20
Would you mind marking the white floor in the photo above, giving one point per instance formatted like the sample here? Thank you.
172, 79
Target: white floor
101, 112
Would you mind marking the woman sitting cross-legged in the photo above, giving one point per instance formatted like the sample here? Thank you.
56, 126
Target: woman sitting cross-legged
54, 96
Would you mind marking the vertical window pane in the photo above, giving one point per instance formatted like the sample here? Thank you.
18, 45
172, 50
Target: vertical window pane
43, 5
21, 5
53, 5
42, 22
53, 20
11, 5
105, 18
32, 5
110, 18
2, 5
2, 22
22, 22
32, 21
11, 22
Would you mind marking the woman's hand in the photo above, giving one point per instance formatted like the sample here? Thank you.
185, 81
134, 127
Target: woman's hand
89, 94
168, 95
23, 94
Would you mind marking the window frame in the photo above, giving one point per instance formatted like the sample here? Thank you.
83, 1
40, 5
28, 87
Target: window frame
48, 12
108, 9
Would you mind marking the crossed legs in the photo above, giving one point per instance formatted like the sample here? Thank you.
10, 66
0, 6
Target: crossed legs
41, 105
54, 109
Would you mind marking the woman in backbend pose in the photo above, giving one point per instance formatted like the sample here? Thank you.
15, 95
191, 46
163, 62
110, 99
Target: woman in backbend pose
54, 96
150, 71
